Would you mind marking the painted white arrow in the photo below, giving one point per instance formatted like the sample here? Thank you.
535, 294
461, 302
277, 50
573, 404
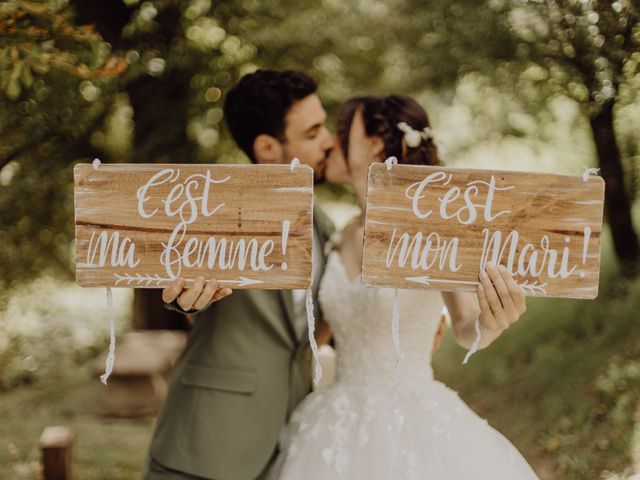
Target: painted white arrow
243, 282
526, 286
140, 278
426, 280
147, 279
456, 281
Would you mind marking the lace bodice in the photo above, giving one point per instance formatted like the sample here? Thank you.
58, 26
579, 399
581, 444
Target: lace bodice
361, 317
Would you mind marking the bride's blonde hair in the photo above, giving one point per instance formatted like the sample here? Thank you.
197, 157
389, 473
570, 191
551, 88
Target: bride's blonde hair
381, 116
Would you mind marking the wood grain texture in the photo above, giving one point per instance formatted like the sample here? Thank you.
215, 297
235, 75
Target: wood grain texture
193, 220
549, 227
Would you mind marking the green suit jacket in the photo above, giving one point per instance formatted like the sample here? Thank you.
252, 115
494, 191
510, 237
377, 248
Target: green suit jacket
241, 374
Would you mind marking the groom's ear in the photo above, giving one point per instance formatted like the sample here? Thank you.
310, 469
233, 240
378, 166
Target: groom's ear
267, 149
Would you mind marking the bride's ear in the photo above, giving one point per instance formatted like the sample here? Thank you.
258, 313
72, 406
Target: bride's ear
377, 148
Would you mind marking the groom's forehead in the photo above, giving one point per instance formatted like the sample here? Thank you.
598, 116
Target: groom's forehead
306, 114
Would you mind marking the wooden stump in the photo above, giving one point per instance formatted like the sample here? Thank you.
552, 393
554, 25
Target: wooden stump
56, 444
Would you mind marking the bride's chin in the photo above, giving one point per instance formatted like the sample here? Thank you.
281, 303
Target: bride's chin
334, 178
337, 182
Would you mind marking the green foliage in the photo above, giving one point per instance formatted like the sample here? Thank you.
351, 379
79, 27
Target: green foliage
189, 47
590, 48
54, 74
51, 326
57, 81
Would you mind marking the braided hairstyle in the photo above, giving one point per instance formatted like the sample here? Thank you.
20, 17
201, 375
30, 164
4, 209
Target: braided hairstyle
381, 116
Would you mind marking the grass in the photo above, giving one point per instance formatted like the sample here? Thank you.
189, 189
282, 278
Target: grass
563, 383
105, 449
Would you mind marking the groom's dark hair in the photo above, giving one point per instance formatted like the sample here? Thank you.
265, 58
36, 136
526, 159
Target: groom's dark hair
259, 102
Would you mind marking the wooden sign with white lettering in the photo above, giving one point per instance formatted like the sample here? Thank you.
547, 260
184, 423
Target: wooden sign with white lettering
435, 228
143, 225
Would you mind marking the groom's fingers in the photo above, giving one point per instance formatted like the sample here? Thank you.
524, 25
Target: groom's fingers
188, 298
221, 293
205, 298
170, 293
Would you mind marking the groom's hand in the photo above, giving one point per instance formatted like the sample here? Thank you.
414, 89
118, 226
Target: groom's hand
502, 301
200, 295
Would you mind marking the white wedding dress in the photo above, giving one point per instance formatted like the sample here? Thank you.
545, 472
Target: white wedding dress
382, 422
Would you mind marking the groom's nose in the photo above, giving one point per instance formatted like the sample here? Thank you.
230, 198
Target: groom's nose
328, 140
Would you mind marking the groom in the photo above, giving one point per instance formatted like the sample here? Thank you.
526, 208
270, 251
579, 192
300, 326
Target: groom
247, 363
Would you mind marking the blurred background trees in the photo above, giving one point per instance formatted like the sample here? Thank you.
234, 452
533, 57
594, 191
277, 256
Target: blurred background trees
586, 51
542, 85
125, 80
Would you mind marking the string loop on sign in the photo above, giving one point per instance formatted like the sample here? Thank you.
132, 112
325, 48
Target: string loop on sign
111, 356
398, 418
294, 163
311, 323
389, 162
589, 171
476, 342
395, 325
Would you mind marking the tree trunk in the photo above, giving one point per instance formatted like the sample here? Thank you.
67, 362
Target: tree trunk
160, 108
617, 202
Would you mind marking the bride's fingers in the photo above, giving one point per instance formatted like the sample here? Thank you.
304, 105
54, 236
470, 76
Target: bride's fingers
492, 298
504, 295
488, 320
485, 309
207, 294
517, 295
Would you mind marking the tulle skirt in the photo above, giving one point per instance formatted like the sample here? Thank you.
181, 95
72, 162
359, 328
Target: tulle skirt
419, 430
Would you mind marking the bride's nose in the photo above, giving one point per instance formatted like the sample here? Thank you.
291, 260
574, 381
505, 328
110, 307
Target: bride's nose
336, 152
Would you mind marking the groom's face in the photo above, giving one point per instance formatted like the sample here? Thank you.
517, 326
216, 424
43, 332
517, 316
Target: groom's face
306, 136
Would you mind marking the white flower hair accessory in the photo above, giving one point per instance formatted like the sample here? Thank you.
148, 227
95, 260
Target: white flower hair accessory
412, 137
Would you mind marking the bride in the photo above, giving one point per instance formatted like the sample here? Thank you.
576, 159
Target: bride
386, 417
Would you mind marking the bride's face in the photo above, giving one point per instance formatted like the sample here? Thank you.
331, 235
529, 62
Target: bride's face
363, 151
336, 170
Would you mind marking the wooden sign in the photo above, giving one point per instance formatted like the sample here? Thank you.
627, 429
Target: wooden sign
436, 228
144, 225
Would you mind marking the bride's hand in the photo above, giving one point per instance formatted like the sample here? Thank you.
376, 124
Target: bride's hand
502, 301
201, 294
